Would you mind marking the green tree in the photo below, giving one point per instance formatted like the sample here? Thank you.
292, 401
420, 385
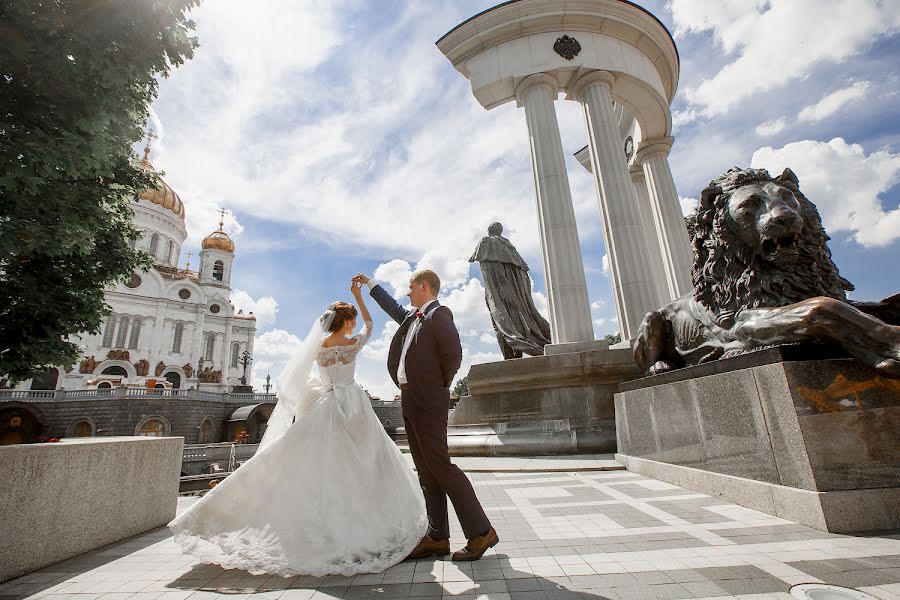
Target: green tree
76, 81
613, 338
461, 388
690, 221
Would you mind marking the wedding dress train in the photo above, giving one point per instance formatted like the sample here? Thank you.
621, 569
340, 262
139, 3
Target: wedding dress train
331, 493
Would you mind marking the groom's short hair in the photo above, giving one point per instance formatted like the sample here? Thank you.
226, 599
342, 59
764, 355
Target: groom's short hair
430, 277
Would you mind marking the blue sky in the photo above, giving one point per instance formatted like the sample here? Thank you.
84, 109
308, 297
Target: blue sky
341, 140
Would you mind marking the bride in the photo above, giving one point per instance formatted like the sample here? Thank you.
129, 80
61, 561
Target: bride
327, 492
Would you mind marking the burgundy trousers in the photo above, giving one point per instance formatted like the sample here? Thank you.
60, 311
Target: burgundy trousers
426, 430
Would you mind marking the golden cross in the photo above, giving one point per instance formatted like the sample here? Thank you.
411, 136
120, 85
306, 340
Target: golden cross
187, 267
221, 218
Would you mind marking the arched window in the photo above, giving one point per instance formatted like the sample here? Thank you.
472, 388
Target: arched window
154, 244
104, 385
135, 334
210, 347
169, 250
219, 270
80, 428
152, 427
235, 351
206, 431
173, 378
115, 370
109, 331
122, 334
176, 340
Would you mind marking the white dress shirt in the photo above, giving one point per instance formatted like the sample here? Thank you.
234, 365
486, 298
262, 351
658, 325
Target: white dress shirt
410, 334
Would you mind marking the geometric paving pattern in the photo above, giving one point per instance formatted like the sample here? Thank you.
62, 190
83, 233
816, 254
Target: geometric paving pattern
564, 536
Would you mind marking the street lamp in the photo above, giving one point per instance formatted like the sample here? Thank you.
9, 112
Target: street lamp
199, 370
245, 360
268, 385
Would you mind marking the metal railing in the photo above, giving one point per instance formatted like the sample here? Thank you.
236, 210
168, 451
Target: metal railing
120, 393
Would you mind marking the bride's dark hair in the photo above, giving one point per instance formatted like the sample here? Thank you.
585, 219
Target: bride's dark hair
343, 312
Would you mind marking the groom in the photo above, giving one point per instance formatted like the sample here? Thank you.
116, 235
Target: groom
424, 356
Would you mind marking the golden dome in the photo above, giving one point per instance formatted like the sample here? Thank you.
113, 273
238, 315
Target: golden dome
162, 194
219, 240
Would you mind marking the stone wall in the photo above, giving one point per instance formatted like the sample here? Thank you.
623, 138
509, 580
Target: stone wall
62, 500
118, 414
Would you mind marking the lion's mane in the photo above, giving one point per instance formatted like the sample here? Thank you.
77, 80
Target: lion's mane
728, 276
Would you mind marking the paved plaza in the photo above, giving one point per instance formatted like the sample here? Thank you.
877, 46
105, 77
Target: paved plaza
576, 535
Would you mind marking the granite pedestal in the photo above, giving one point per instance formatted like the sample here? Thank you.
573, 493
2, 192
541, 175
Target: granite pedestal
812, 441
557, 404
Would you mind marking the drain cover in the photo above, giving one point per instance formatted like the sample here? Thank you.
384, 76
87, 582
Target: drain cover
821, 591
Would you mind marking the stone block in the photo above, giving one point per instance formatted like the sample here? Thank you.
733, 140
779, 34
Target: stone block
64, 499
556, 404
810, 441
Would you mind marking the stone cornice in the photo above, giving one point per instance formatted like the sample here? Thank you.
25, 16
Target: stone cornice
615, 18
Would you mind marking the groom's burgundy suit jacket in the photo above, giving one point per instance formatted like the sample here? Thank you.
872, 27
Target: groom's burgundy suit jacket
434, 355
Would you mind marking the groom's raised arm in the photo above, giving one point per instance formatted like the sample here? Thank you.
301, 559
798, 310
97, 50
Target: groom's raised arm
386, 302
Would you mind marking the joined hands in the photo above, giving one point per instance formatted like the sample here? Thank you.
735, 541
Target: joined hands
356, 284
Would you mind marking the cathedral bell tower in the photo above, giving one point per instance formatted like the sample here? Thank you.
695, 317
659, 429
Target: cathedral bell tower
216, 257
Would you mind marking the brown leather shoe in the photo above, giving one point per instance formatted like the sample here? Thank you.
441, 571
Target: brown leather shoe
430, 547
477, 546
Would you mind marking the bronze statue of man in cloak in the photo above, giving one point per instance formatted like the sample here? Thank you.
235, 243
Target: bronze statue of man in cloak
519, 327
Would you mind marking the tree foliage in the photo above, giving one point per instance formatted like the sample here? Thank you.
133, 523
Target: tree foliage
690, 221
76, 81
461, 388
613, 338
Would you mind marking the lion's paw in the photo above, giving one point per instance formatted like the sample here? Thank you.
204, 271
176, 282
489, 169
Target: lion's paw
660, 366
889, 368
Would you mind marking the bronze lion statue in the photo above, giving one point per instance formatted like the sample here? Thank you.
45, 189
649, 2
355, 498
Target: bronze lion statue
763, 276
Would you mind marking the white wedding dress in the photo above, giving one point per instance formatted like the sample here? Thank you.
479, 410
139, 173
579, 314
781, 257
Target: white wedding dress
327, 492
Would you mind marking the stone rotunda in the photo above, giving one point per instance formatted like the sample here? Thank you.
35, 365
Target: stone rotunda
620, 63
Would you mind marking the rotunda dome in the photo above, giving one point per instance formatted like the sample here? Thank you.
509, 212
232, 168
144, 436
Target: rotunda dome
162, 194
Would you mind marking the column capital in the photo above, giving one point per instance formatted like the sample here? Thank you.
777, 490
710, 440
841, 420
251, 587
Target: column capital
604, 78
538, 79
648, 148
636, 171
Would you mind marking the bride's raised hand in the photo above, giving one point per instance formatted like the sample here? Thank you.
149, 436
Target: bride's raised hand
356, 288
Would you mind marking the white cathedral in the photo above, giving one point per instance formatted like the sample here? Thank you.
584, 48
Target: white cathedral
169, 327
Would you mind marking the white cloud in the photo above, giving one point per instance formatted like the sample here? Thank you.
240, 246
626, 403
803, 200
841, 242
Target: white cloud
264, 309
605, 262
834, 101
257, 124
271, 351
844, 182
766, 44
688, 205
684, 117
541, 303
470, 313
396, 274
771, 127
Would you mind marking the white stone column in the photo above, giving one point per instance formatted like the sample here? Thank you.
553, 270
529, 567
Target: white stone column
570, 313
674, 244
628, 260
648, 225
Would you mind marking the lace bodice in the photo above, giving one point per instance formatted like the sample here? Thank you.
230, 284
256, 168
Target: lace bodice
344, 355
